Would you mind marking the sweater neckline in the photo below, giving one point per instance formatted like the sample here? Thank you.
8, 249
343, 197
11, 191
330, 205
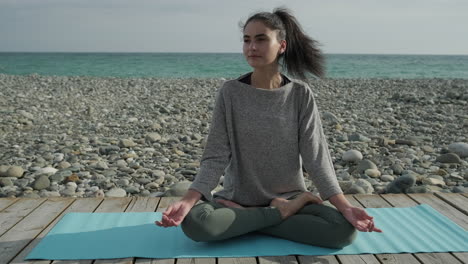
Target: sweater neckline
263, 89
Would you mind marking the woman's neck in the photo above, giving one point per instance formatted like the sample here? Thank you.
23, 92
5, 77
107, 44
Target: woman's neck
266, 79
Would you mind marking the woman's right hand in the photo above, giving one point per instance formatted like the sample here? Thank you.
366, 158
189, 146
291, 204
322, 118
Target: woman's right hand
176, 212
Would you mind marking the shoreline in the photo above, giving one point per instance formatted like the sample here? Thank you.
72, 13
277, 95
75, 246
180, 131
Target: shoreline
147, 78
117, 136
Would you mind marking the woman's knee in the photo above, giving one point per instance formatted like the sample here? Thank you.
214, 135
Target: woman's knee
343, 232
345, 235
196, 226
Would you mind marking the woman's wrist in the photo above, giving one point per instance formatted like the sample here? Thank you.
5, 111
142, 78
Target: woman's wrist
340, 202
192, 196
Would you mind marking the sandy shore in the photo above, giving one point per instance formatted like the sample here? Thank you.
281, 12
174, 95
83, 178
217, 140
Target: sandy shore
88, 137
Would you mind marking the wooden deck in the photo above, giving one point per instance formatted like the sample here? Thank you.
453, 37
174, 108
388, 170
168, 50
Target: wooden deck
24, 222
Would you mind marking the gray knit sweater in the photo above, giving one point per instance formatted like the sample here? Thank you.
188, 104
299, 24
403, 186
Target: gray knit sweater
259, 139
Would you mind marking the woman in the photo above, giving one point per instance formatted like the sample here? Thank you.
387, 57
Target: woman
265, 126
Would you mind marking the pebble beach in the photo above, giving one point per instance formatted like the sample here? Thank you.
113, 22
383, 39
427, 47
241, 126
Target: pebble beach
117, 137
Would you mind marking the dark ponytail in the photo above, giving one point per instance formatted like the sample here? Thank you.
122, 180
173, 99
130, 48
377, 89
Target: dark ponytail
302, 54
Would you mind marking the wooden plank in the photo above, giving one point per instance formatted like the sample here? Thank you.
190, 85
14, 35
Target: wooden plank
196, 261
375, 201
154, 261
433, 258
461, 256
250, 260
143, 204
277, 260
78, 205
405, 201
16, 212
5, 202
317, 259
165, 202
20, 235
454, 199
111, 205
441, 206
83, 261
358, 259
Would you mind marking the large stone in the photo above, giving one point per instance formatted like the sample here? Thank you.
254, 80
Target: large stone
433, 181
153, 137
401, 184
345, 185
42, 182
47, 171
373, 173
355, 189
6, 182
365, 165
15, 171
127, 143
387, 178
108, 150
449, 158
406, 142
3, 170
397, 169
158, 173
352, 156
365, 185
459, 148
116, 192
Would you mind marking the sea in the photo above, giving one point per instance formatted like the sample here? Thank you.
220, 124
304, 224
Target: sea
225, 65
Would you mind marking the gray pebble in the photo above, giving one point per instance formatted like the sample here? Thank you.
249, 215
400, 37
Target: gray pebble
116, 192
15, 171
352, 156
387, 178
401, 184
365, 165
373, 173
448, 158
355, 189
42, 182
459, 148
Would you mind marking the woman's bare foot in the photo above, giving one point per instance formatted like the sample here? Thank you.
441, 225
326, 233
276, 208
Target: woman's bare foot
290, 207
229, 203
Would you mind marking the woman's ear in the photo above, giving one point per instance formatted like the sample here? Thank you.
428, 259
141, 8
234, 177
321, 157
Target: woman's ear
283, 46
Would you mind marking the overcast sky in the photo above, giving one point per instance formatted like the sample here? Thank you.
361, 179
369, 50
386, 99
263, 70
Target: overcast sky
341, 26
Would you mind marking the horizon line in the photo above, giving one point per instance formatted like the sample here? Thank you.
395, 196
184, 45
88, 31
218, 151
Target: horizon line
201, 52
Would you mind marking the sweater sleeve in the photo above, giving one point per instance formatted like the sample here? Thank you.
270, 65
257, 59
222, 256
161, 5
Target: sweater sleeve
217, 152
314, 149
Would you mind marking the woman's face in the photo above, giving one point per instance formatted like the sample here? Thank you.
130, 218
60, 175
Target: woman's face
261, 46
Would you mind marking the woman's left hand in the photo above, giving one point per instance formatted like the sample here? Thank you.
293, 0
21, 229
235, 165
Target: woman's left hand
359, 218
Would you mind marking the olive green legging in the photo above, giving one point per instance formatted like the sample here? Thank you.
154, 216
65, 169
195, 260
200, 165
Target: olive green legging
315, 224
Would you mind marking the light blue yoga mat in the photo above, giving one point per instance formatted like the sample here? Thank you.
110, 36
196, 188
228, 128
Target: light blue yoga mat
122, 235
